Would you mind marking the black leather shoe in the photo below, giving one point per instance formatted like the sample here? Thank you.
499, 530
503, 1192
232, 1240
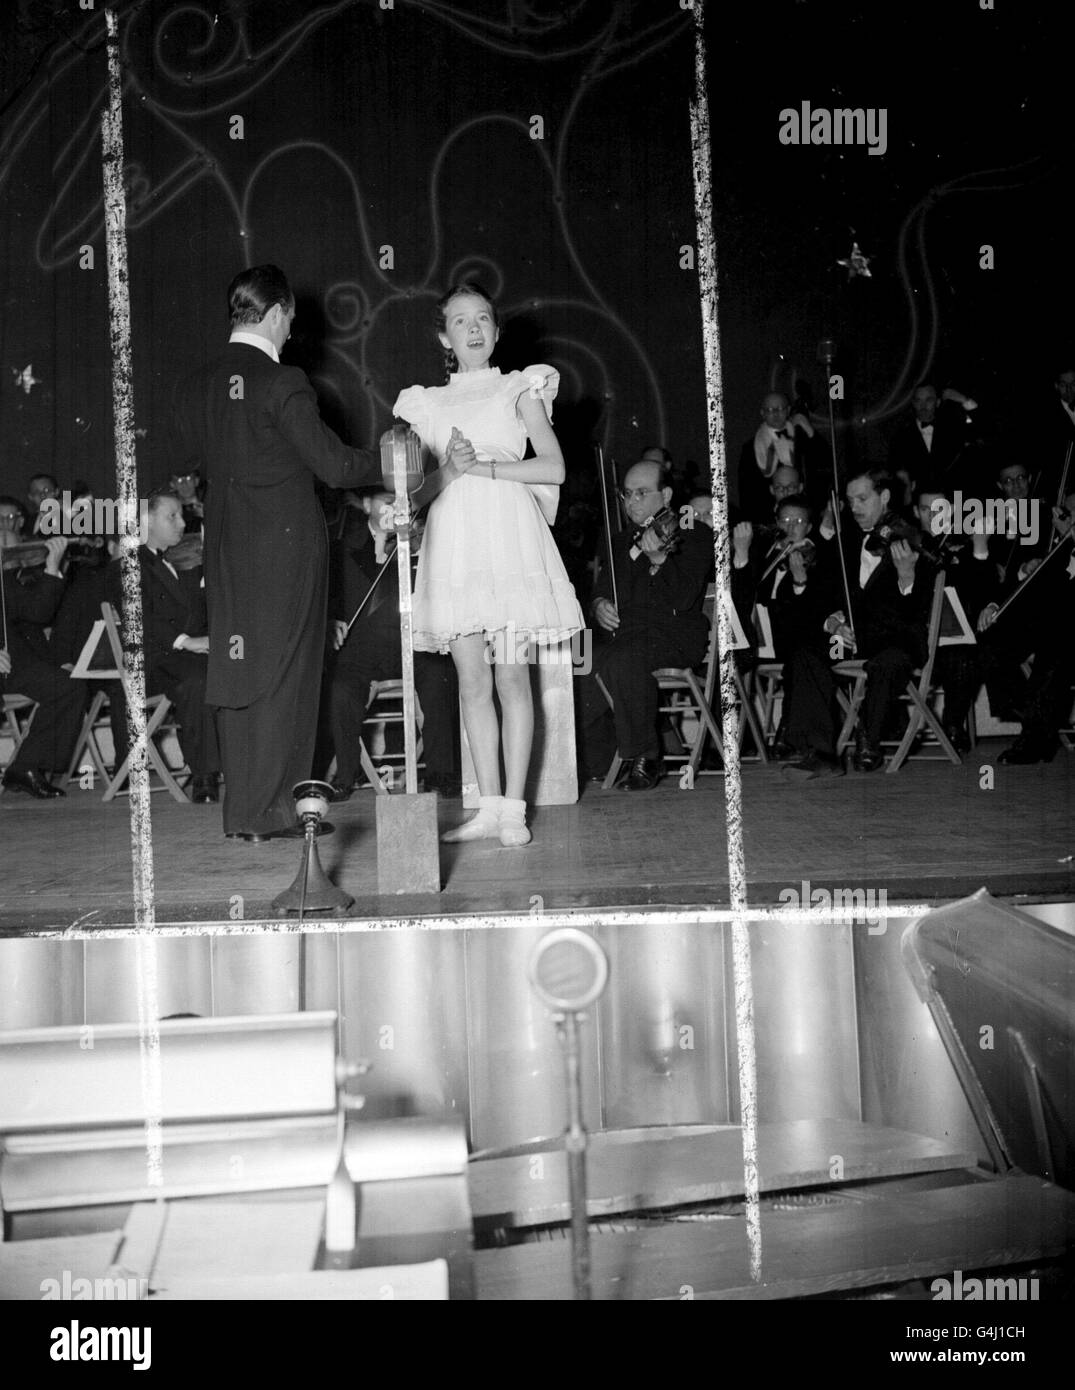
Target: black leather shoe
1029, 750
644, 775
812, 766
868, 757
293, 832
33, 783
957, 736
341, 791
203, 791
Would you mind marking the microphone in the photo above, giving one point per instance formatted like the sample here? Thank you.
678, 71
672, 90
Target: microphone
826, 351
569, 971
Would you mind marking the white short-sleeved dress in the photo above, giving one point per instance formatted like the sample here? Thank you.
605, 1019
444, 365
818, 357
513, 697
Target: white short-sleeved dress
488, 562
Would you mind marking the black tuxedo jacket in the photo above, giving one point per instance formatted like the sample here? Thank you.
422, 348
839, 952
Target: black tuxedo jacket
354, 569
881, 615
252, 427
30, 608
170, 605
942, 462
670, 600
1056, 435
797, 619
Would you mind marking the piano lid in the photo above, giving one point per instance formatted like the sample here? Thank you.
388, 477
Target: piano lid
1000, 986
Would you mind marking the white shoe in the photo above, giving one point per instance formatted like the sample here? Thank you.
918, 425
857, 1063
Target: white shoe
513, 831
484, 826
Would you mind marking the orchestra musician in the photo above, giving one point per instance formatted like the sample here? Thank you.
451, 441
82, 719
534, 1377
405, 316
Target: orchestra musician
364, 624
29, 601
889, 593
175, 644
1038, 619
661, 573
969, 571
250, 426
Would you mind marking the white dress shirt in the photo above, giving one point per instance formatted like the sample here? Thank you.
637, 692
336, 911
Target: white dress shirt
240, 335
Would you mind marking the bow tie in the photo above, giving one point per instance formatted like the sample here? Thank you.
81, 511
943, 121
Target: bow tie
782, 434
923, 428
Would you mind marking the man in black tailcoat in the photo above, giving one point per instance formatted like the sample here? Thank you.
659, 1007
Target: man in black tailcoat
251, 427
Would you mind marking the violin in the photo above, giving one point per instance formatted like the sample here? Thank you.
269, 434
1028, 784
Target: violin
891, 528
664, 526
187, 554
24, 555
805, 547
32, 554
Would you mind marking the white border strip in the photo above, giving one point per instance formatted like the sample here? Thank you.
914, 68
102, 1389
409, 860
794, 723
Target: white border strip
788, 916
119, 323
701, 164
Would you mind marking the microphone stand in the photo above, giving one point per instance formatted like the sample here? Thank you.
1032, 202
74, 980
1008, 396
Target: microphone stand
567, 1030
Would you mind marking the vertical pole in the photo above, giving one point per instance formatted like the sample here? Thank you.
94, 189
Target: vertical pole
575, 1148
406, 634
701, 160
119, 322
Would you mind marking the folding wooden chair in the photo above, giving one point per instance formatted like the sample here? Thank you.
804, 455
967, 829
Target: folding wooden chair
18, 715
687, 694
919, 692
768, 677
95, 721
159, 717
383, 690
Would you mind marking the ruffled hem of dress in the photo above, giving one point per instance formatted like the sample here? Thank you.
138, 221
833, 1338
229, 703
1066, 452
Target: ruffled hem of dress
544, 636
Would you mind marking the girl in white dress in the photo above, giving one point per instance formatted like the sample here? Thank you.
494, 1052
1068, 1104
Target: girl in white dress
490, 579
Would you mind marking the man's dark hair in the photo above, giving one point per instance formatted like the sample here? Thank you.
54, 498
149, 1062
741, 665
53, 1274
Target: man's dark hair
8, 501
798, 500
665, 459
253, 292
928, 488
880, 477
162, 494
34, 477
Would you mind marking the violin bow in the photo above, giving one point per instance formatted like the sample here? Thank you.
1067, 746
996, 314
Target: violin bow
1055, 538
369, 592
599, 452
1016, 592
834, 497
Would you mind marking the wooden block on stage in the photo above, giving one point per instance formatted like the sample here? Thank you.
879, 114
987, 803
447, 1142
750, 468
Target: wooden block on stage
553, 779
408, 849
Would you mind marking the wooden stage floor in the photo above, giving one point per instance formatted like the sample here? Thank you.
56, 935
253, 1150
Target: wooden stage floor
932, 832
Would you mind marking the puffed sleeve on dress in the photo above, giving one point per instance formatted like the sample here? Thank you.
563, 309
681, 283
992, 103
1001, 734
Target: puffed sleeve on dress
541, 381
411, 405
